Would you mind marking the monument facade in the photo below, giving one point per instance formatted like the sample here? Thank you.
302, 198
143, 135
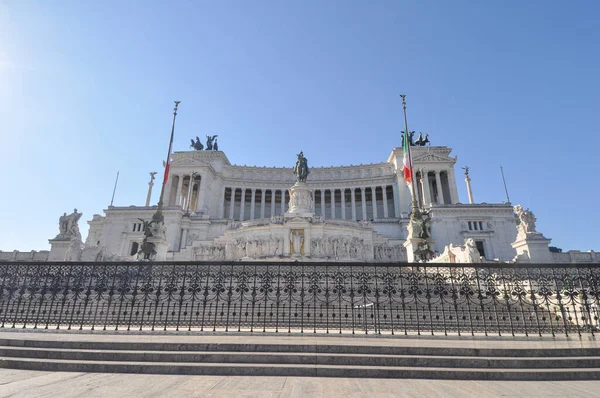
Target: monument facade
214, 210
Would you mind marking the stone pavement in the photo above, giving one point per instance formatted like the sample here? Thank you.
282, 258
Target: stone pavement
24, 383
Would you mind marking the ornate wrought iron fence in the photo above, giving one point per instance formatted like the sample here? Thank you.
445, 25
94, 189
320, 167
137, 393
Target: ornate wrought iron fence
302, 297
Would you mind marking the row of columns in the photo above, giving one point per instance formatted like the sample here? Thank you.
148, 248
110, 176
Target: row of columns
263, 209
185, 200
425, 186
264, 212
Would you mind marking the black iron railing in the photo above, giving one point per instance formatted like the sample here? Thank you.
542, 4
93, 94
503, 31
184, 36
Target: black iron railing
302, 297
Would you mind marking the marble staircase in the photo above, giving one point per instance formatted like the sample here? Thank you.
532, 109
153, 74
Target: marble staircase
335, 358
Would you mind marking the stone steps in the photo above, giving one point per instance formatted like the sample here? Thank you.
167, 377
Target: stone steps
300, 358
321, 359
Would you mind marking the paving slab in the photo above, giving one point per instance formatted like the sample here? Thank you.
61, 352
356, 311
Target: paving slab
30, 384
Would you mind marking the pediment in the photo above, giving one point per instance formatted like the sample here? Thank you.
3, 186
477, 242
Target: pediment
187, 162
433, 158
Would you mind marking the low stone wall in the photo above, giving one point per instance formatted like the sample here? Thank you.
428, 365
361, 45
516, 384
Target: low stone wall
575, 256
16, 255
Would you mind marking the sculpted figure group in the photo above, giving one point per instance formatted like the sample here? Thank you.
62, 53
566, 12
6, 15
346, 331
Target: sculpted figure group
211, 143
421, 141
340, 247
68, 225
526, 220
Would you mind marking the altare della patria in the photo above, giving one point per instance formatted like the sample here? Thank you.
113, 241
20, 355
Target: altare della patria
386, 249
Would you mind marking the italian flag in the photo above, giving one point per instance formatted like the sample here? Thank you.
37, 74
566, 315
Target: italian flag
168, 163
407, 161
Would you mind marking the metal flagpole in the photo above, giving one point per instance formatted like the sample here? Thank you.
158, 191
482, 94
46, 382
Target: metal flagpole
412, 177
158, 216
504, 181
114, 189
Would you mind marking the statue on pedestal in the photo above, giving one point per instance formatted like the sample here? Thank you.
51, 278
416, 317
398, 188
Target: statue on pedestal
301, 169
526, 221
152, 229
68, 226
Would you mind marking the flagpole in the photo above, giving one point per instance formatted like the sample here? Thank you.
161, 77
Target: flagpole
412, 177
504, 181
158, 216
114, 189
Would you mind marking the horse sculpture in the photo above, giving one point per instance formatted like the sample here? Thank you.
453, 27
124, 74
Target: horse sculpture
197, 145
422, 141
301, 169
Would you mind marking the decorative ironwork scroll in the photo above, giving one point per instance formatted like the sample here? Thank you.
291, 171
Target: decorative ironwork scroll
490, 299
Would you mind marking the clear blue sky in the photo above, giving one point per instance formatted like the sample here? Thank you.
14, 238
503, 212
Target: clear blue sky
86, 89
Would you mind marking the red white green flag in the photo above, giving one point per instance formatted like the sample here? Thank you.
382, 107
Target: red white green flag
168, 163
407, 161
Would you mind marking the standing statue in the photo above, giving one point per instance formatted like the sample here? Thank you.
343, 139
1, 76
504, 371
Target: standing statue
301, 169
197, 145
147, 249
425, 140
215, 145
209, 142
63, 223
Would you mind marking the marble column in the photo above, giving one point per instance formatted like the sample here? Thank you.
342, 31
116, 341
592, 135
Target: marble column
426, 186
179, 190
200, 202
343, 192
363, 199
469, 191
262, 203
374, 201
353, 201
272, 202
188, 203
242, 204
252, 203
323, 203
222, 202
453, 187
385, 203
282, 202
232, 203
438, 182
332, 203
396, 198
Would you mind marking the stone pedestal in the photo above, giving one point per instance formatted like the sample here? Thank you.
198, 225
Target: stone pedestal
532, 248
161, 246
414, 246
301, 201
58, 249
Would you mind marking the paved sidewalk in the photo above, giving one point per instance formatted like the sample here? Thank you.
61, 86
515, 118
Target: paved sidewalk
34, 384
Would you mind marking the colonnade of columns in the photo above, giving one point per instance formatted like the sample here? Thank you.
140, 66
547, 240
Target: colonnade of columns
186, 193
364, 203
436, 187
